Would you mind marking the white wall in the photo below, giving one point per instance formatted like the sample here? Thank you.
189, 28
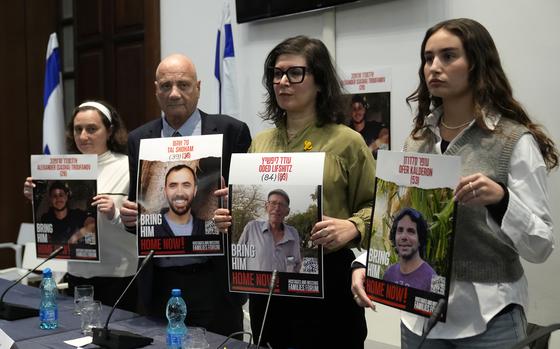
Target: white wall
388, 34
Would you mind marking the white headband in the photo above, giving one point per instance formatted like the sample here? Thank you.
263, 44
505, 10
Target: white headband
103, 109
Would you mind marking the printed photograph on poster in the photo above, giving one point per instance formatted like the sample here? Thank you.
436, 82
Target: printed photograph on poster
369, 106
63, 215
274, 209
176, 180
413, 223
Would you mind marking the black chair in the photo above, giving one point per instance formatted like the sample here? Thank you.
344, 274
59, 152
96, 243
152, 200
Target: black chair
537, 336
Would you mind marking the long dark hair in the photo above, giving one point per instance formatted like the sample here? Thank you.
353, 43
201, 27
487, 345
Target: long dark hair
117, 141
490, 86
329, 103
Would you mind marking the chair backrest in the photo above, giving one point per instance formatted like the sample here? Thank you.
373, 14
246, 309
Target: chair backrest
537, 336
30, 260
26, 233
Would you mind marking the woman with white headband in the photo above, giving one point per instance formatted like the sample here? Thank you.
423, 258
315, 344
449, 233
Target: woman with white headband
96, 128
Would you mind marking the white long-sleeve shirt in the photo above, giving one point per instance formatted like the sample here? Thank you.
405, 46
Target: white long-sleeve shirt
527, 222
117, 247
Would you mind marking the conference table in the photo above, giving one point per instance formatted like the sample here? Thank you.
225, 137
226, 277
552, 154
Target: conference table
26, 333
148, 327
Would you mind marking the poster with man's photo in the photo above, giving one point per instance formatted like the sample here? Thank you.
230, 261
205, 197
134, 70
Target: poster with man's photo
369, 106
65, 186
275, 200
177, 177
413, 223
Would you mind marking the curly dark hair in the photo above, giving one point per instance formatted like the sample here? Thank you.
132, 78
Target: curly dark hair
329, 103
490, 86
421, 227
117, 141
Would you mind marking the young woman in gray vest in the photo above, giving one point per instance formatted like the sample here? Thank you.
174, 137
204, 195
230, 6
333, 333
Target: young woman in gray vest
466, 108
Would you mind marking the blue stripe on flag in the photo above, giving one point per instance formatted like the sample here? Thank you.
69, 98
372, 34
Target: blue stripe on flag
218, 62
228, 50
51, 75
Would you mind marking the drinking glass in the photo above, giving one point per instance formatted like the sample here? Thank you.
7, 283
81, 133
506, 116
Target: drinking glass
196, 338
90, 316
82, 294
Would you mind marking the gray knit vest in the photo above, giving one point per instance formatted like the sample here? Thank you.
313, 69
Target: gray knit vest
480, 255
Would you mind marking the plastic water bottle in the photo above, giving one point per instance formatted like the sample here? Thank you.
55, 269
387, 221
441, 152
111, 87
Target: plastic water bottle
48, 310
176, 313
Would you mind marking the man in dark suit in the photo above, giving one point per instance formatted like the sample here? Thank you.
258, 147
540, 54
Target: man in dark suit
203, 280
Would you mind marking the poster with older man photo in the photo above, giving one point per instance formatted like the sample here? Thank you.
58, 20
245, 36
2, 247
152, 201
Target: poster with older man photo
274, 207
176, 180
413, 224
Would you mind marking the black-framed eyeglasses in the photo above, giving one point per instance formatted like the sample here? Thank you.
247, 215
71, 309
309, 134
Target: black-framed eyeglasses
295, 74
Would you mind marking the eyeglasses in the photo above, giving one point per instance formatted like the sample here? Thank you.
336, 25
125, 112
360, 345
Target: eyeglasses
277, 204
295, 75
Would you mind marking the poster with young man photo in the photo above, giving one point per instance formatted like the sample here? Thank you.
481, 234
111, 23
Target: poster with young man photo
369, 106
412, 231
176, 180
64, 188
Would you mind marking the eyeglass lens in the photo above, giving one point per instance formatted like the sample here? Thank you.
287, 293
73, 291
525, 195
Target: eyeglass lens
295, 75
277, 204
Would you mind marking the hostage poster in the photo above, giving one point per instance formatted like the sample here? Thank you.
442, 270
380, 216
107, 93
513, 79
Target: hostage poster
275, 200
369, 106
413, 223
63, 216
177, 177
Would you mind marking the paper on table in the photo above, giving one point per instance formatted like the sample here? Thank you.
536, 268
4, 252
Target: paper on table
79, 342
5, 340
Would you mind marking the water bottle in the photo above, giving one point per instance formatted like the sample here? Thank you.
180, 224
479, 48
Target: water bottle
48, 310
176, 313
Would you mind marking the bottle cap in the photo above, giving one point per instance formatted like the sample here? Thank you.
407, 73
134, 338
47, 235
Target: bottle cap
176, 292
47, 272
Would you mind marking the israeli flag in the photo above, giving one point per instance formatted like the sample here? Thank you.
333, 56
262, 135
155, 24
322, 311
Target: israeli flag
224, 68
53, 116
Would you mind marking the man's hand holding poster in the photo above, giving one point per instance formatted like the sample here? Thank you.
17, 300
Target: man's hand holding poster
410, 249
176, 180
275, 200
64, 189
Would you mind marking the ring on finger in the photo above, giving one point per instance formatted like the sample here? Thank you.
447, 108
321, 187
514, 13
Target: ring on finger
355, 297
474, 193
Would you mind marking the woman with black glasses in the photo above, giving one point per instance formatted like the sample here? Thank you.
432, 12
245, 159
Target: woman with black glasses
305, 102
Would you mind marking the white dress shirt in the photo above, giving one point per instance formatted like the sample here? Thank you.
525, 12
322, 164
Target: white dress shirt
117, 247
527, 222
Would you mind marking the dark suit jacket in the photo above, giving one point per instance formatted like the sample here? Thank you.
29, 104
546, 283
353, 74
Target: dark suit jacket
236, 139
